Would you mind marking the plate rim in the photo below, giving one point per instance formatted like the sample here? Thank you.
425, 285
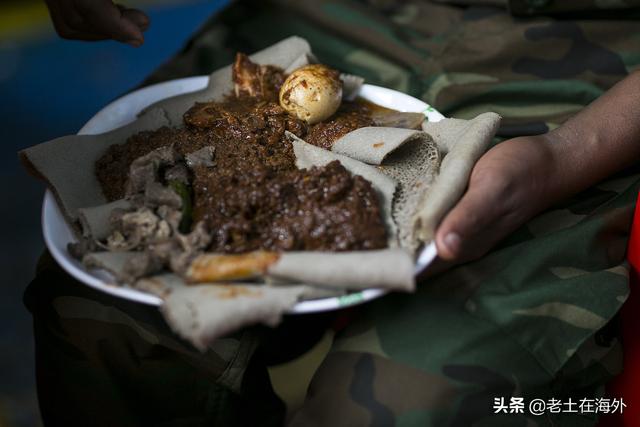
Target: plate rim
195, 83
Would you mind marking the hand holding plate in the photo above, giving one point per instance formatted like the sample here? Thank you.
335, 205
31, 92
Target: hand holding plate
508, 186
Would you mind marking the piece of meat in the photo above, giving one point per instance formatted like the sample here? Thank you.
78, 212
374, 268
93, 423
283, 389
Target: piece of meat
141, 265
246, 76
202, 157
134, 229
254, 80
156, 194
144, 170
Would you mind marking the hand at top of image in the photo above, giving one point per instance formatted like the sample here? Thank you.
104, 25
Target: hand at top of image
98, 20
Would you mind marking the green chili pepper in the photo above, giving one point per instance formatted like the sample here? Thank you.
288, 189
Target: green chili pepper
184, 191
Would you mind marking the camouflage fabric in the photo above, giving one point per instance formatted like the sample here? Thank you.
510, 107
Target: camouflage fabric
535, 318
537, 7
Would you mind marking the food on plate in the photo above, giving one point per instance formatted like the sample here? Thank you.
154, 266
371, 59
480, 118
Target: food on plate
312, 93
216, 268
224, 184
320, 208
349, 117
254, 80
227, 182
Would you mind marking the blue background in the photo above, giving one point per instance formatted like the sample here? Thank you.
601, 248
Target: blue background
50, 87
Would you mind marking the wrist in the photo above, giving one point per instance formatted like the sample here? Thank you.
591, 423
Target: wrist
599, 141
573, 158
559, 162
548, 165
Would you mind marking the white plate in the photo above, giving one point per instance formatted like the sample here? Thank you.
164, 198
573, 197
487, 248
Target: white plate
57, 233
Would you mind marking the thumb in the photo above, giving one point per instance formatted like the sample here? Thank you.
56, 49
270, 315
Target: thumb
464, 231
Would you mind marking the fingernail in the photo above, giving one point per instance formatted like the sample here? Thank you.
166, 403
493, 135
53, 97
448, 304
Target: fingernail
134, 42
452, 242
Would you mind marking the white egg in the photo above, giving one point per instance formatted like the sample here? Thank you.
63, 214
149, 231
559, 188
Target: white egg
312, 93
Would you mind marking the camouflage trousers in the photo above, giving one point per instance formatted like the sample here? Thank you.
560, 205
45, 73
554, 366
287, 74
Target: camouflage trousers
534, 319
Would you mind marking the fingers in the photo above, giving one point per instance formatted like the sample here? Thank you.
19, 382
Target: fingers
104, 17
508, 185
65, 20
136, 16
98, 20
465, 233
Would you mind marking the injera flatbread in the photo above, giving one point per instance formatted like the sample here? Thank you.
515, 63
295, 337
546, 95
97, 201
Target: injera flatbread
94, 221
414, 165
461, 143
385, 268
373, 144
431, 168
116, 263
200, 314
67, 164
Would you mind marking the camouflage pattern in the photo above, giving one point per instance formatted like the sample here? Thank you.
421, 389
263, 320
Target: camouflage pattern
535, 318
539, 7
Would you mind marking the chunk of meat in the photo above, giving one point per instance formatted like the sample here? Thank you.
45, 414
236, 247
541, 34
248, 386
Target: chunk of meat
144, 170
256, 81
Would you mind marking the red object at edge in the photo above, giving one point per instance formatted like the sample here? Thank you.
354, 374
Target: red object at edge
627, 384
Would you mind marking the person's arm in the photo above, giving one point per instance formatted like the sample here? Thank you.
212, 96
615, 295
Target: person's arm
519, 178
97, 20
